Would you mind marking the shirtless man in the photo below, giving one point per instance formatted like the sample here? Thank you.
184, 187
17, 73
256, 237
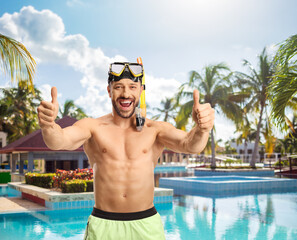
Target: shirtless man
123, 159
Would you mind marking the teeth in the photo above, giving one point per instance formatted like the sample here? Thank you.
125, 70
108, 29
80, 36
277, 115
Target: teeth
126, 102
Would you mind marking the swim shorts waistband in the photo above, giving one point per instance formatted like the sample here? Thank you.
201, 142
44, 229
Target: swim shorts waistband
124, 216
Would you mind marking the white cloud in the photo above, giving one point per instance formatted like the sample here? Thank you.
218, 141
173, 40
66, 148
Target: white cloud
43, 33
224, 128
159, 88
45, 90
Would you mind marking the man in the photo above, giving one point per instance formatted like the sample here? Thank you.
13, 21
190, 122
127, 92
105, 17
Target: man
123, 159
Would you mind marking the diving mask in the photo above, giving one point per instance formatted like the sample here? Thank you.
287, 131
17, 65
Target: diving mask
120, 70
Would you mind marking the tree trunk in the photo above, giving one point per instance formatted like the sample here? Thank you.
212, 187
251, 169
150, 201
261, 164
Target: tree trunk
245, 151
256, 148
213, 157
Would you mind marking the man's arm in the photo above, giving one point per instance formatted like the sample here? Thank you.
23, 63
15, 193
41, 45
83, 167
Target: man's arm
195, 140
56, 138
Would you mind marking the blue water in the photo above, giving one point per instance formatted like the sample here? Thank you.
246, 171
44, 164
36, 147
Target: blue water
5, 191
262, 216
170, 169
229, 178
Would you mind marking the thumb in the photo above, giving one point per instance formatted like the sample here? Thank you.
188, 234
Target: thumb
196, 98
54, 93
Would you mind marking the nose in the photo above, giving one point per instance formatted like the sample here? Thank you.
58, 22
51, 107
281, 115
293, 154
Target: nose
126, 93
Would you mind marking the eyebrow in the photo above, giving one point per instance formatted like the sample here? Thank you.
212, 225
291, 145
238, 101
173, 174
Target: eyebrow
120, 84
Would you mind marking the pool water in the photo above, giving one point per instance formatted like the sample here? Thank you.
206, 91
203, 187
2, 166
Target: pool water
262, 216
230, 179
6, 191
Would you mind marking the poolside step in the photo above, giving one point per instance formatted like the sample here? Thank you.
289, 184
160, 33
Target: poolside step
57, 200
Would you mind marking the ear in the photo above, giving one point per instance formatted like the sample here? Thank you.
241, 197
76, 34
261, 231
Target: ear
108, 90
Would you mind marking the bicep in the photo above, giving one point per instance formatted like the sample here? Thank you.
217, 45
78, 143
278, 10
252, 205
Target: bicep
76, 135
172, 137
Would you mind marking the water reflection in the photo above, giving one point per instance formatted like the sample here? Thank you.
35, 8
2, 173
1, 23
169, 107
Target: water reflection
266, 216
63, 224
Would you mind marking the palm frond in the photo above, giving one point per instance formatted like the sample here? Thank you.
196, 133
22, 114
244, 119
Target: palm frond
17, 61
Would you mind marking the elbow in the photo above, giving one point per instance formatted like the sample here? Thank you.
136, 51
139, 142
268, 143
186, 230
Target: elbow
53, 147
188, 149
193, 151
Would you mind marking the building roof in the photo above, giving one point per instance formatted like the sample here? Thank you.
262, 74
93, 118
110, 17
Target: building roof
33, 142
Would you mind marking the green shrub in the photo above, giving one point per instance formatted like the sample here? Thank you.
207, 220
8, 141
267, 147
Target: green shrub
5, 177
74, 186
44, 180
281, 163
89, 185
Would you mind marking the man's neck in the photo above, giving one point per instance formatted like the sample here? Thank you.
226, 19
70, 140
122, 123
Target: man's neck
123, 122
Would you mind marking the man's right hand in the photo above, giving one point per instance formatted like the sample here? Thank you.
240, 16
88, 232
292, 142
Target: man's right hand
48, 111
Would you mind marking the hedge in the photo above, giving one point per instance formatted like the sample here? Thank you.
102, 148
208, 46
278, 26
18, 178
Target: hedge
73, 186
89, 185
79, 180
44, 180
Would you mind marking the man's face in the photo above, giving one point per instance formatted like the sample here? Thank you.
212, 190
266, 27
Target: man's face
125, 96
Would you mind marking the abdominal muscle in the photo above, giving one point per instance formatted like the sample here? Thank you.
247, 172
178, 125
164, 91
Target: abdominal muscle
124, 185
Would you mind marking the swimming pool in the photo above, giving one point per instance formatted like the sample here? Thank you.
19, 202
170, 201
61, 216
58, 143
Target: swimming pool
262, 216
225, 186
5, 191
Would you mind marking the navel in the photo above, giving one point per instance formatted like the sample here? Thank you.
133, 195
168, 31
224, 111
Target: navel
104, 150
124, 195
149, 125
144, 151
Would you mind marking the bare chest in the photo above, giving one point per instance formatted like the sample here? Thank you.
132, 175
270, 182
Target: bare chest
118, 143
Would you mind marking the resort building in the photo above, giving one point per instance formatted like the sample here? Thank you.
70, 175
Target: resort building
30, 152
3, 136
246, 151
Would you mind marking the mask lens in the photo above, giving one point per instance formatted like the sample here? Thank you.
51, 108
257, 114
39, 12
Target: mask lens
117, 68
136, 69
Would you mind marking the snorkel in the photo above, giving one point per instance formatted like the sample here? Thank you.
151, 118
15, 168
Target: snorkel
141, 112
133, 71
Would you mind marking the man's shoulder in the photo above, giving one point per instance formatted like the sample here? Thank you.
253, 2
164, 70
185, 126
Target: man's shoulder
158, 124
91, 122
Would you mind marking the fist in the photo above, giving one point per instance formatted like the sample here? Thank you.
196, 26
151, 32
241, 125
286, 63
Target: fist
48, 111
203, 114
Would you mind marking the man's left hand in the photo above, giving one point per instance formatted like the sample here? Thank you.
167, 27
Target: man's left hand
203, 114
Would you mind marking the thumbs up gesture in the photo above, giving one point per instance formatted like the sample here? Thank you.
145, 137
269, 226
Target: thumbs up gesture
48, 111
203, 114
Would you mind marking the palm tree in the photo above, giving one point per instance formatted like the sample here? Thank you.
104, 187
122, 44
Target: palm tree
283, 146
70, 109
289, 143
215, 88
17, 61
270, 139
167, 111
18, 115
283, 88
256, 85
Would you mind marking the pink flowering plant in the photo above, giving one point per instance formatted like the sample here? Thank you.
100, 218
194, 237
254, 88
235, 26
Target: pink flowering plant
63, 175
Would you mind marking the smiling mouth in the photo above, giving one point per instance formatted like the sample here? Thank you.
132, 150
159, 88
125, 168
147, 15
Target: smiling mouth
125, 103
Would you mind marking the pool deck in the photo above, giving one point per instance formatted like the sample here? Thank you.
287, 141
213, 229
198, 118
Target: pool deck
16, 204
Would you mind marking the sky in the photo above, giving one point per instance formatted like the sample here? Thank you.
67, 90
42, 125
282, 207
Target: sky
74, 41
